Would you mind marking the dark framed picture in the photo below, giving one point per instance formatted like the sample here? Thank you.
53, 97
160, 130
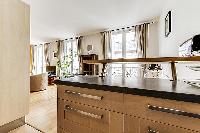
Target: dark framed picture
55, 54
168, 24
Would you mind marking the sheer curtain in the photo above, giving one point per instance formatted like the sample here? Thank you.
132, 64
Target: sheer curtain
31, 59
79, 44
142, 37
34, 59
79, 41
60, 50
46, 53
60, 56
106, 44
37, 59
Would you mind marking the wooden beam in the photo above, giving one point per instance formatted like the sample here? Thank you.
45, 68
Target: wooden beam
171, 60
146, 60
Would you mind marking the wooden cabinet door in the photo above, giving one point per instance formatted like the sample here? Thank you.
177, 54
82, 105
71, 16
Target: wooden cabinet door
116, 122
60, 114
163, 110
131, 124
85, 119
147, 126
102, 99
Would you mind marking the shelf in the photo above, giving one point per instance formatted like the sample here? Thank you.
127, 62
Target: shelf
171, 60
145, 60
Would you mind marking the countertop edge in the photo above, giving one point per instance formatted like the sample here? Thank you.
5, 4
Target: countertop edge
135, 91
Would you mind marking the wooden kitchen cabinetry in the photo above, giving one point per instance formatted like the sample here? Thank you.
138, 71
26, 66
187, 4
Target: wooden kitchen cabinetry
155, 127
75, 118
131, 124
84, 110
170, 112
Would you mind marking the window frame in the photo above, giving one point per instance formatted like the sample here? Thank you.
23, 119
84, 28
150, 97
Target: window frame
71, 42
124, 51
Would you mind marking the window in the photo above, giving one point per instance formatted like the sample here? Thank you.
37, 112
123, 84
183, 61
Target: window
71, 57
131, 47
75, 61
124, 46
116, 46
39, 60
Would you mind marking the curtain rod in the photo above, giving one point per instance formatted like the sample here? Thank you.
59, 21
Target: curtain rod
104, 31
72, 38
128, 27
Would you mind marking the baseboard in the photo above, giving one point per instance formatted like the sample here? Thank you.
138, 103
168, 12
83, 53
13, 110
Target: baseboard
12, 125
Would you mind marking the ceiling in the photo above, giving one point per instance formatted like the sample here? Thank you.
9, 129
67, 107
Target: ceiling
59, 19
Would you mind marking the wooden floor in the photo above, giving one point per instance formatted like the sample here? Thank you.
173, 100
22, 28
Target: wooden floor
42, 113
25, 129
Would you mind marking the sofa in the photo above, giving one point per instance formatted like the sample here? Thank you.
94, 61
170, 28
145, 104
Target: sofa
38, 82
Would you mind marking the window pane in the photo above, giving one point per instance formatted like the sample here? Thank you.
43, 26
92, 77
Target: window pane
116, 46
69, 57
75, 58
39, 58
131, 47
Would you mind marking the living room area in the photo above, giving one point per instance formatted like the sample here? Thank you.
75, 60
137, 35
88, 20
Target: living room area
53, 43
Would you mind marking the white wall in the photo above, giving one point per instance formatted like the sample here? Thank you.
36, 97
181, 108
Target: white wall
14, 57
185, 24
153, 46
53, 48
95, 41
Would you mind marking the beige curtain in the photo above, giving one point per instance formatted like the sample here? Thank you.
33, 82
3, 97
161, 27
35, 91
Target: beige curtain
60, 54
106, 44
46, 53
79, 51
31, 59
79, 44
142, 36
60, 50
34, 60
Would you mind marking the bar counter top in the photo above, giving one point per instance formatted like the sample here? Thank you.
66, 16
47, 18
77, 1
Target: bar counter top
157, 88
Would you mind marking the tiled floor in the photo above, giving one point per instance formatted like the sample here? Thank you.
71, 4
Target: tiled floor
42, 113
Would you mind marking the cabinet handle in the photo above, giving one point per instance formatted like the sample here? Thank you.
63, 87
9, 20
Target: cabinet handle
84, 95
173, 111
68, 108
152, 131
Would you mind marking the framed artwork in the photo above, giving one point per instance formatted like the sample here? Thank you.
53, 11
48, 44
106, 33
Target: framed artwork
55, 54
168, 24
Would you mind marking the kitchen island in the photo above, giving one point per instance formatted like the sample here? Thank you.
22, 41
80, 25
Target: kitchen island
90, 104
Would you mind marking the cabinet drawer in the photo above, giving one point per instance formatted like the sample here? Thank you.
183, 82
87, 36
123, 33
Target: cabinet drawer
71, 127
165, 111
153, 127
86, 117
131, 124
102, 99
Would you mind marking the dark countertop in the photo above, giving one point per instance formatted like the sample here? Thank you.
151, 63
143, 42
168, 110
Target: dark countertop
158, 88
